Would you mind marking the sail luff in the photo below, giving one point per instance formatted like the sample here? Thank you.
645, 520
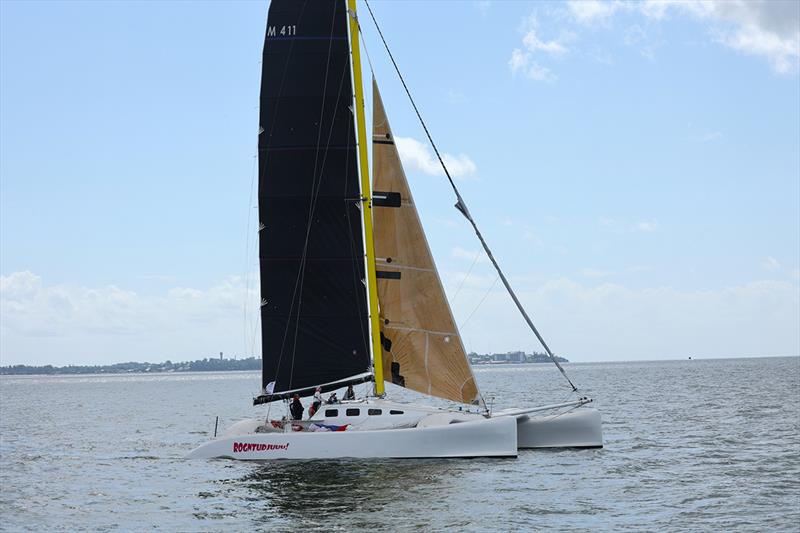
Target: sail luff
366, 197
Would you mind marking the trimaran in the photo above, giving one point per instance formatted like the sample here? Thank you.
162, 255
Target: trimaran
349, 290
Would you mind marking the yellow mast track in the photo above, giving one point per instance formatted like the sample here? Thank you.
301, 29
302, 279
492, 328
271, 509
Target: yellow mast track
366, 194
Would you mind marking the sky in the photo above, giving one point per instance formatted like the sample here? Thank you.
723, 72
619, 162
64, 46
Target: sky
635, 167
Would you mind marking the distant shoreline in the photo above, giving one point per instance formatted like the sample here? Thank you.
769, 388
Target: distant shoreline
220, 364
167, 367
75, 370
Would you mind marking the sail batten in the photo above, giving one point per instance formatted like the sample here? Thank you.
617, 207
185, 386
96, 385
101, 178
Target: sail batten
420, 342
421, 330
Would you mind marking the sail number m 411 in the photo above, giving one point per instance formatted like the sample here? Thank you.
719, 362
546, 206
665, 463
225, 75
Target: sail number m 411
273, 31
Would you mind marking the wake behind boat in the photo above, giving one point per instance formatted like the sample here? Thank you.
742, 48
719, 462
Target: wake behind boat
350, 292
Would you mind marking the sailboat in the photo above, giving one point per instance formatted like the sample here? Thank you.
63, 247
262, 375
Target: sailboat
350, 293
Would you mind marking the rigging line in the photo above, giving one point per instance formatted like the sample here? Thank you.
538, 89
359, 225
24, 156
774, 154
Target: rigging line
474, 261
462, 207
364, 44
486, 295
565, 398
314, 192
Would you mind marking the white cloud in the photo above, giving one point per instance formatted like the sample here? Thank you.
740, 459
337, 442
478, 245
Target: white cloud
417, 156
534, 44
591, 12
522, 60
62, 324
770, 29
772, 264
658, 322
781, 52
522, 63
19, 286
767, 29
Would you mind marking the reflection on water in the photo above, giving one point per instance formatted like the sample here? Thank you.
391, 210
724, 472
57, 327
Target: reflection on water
317, 491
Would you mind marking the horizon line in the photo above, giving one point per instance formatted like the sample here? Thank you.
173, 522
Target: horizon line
693, 358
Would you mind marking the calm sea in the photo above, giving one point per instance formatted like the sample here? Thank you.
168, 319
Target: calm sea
690, 445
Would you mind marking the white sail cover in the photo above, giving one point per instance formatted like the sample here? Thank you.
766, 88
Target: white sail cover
422, 349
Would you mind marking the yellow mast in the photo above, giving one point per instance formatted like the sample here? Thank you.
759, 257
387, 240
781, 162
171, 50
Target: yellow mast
366, 196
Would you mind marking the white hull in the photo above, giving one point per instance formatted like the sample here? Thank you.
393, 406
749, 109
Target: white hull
484, 437
566, 425
580, 428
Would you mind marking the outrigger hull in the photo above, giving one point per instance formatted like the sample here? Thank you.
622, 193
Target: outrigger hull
580, 428
492, 437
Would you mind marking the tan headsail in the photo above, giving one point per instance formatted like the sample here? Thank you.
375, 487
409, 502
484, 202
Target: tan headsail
422, 349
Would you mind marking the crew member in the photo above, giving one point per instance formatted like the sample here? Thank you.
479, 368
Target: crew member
350, 394
296, 408
316, 403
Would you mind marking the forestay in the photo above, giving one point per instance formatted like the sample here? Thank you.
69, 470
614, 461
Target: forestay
422, 349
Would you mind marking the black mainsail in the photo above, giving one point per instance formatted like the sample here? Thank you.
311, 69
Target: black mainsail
314, 311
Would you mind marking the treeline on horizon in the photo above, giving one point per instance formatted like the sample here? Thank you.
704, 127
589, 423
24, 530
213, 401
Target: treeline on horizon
218, 364
209, 364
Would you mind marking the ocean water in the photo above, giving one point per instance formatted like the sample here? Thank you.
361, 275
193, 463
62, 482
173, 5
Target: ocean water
700, 445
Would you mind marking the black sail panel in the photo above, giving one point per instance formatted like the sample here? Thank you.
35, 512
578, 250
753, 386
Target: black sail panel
314, 317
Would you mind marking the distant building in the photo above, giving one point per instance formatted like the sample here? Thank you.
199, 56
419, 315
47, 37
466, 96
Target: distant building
515, 357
